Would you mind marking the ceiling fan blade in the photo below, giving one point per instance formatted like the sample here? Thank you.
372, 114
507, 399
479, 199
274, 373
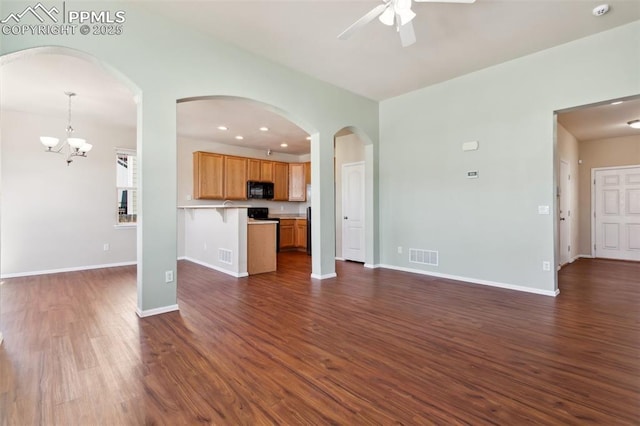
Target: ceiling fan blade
370, 16
445, 1
407, 35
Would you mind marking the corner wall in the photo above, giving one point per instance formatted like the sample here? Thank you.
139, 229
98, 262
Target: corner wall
488, 229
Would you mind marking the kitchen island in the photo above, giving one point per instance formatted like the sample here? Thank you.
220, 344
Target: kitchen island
261, 246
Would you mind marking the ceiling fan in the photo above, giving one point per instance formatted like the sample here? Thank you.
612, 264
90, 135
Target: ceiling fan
394, 12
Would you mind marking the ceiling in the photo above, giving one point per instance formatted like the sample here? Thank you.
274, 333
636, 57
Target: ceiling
371, 63
452, 39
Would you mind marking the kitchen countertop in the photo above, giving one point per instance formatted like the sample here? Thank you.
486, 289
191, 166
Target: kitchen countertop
287, 216
219, 206
261, 222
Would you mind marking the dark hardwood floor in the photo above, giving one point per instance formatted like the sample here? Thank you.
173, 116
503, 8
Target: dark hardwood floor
369, 347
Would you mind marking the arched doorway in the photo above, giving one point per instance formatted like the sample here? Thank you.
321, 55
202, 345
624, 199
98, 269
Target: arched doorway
59, 216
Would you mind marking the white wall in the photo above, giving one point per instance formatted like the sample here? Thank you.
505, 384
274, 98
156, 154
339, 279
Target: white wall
489, 229
568, 150
209, 230
349, 149
56, 216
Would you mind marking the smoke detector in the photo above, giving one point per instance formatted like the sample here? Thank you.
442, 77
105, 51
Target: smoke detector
600, 10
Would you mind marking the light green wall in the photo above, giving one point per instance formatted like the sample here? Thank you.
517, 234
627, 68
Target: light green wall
488, 228
166, 62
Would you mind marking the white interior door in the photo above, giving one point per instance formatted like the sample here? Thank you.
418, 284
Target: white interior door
353, 212
564, 201
617, 213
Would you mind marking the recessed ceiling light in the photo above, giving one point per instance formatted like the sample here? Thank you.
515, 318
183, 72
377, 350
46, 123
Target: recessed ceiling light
239, 137
223, 128
284, 145
616, 103
264, 129
634, 123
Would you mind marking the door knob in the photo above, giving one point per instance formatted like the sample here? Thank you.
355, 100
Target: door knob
562, 218
345, 218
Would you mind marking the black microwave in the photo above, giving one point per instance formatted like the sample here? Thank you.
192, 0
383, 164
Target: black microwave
262, 190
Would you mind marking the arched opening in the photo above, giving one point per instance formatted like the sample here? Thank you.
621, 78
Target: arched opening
58, 215
240, 161
354, 196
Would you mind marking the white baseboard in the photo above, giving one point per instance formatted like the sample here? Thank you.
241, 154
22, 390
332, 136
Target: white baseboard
342, 259
371, 266
323, 277
71, 269
217, 268
182, 257
583, 256
156, 311
475, 281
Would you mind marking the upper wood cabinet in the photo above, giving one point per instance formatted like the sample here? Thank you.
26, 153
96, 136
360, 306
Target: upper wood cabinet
266, 171
235, 178
208, 176
254, 169
307, 172
297, 185
280, 181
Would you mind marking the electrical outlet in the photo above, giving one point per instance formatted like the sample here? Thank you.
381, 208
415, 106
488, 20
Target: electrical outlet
105, 247
399, 249
168, 276
546, 266
188, 197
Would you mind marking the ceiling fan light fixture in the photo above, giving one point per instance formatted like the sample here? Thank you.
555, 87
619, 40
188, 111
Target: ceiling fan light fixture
388, 16
405, 16
635, 124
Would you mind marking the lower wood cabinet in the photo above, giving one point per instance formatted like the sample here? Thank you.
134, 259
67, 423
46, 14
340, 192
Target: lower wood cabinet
287, 233
293, 234
261, 248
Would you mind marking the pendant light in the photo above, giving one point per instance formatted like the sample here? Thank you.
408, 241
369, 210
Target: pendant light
75, 147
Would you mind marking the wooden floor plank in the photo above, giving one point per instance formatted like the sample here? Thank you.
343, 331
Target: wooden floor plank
368, 347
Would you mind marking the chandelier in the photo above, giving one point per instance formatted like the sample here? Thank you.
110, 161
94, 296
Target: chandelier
75, 147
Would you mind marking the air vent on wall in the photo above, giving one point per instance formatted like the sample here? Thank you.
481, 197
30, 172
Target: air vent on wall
425, 257
224, 256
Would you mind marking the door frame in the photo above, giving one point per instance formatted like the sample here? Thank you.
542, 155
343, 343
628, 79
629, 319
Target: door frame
593, 200
565, 196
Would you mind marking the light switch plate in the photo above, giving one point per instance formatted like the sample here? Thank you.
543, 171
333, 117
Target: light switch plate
543, 209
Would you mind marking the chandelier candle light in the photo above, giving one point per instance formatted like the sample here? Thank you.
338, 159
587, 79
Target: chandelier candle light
76, 147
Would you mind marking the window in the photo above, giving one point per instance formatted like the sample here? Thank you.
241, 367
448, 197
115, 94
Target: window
127, 186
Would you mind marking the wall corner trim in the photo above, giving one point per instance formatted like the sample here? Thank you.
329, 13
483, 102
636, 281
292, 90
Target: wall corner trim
156, 311
323, 277
217, 268
467, 280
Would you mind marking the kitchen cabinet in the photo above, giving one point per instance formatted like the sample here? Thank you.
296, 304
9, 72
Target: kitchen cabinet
261, 247
307, 172
266, 171
208, 176
293, 234
301, 234
235, 178
254, 169
297, 186
280, 181
287, 233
